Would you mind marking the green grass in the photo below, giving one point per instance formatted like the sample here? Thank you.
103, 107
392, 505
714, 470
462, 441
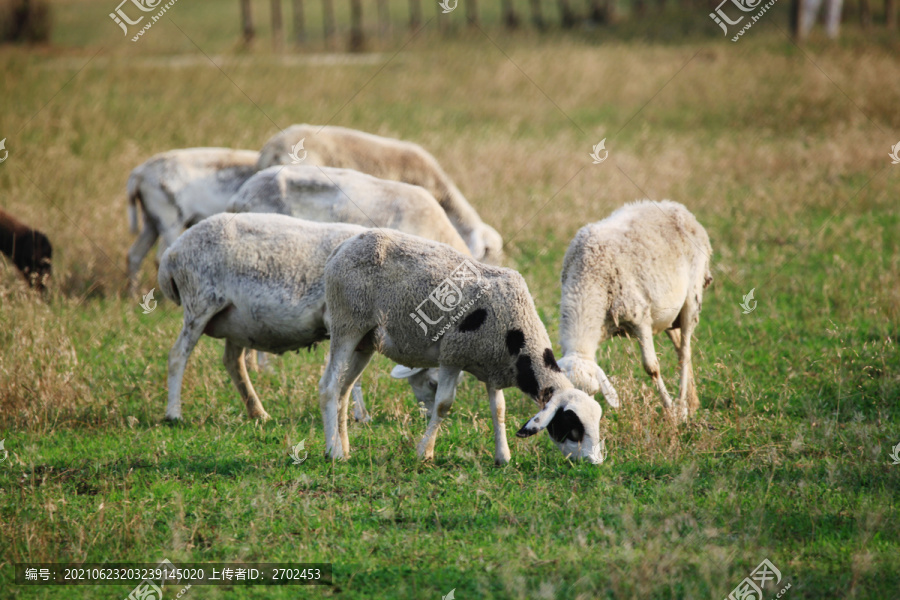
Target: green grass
782, 160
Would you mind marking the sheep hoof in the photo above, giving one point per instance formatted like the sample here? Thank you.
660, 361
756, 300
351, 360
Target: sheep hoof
501, 461
424, 453
261, 416
366, 418
172, 418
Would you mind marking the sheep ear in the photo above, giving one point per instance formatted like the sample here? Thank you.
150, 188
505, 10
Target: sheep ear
401, 372
609, 392
539, 421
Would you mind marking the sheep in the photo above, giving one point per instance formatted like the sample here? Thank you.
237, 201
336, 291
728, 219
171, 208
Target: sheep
176, 189
640, 271
344, 196
28, 249
386, 158
256, 281
479, 319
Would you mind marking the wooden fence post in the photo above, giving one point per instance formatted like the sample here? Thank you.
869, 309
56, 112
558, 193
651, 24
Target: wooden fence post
472, 12
247, 21
510, 18
415, 14
537, 16
277, 25
356, 30
566, 16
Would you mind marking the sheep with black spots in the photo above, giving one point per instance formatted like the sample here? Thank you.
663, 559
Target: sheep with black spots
476, 318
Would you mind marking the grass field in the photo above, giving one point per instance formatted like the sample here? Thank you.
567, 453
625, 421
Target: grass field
782, 155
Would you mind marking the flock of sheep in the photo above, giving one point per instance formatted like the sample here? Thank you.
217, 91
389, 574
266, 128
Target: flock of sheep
332, 233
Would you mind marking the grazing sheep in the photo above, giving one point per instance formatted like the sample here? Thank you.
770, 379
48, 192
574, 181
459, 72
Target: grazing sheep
640, 271
254, 280
332, 195
176, 189
28, 249
477, 318
386, 158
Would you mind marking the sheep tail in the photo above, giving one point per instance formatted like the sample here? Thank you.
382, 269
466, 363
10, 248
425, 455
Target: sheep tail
134, 197
167, 277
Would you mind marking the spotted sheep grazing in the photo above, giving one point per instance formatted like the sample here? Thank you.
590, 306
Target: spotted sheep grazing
28, 249
255, 280
178, 188
333, 195
375, 281
640, 271
385, 158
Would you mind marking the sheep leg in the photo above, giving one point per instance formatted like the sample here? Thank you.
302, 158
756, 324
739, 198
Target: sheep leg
693, 400
346, 362
443, 400
651, 364
138, 252
236, 367
360, 414
675, 336
178, 357
687, 397
160, 250
256, 361
498, 413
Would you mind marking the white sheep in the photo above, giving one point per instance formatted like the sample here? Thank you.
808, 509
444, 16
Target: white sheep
386, 158
254, 280
640, 271
332, 195
423, 304
176, 189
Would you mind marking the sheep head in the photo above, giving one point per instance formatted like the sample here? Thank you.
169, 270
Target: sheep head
572, 419
33, 256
